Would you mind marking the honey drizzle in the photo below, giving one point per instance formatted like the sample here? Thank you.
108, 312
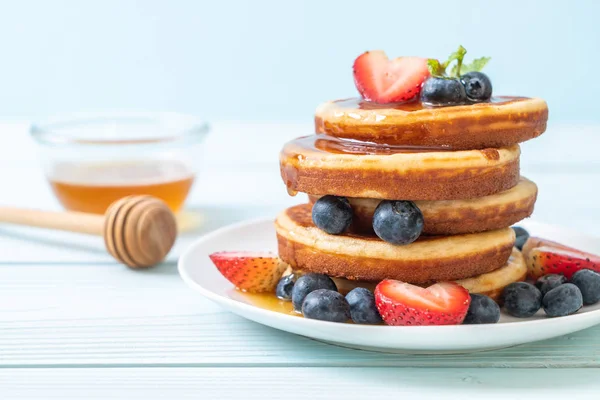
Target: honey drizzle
361, 104
330, 144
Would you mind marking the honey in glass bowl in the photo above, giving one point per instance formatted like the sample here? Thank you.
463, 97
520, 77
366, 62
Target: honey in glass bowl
93, 160
93, 187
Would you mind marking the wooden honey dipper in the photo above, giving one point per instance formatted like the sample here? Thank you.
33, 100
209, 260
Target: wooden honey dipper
138, 231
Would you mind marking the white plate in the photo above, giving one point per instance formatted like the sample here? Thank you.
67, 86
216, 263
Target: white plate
259, 235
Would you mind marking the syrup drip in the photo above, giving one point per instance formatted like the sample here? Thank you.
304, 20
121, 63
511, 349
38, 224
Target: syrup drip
362, 104
330, 144
269, 301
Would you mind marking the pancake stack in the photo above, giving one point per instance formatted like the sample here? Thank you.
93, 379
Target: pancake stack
460, 166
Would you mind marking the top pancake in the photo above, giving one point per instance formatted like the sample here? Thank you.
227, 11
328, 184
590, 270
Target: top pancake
502, 122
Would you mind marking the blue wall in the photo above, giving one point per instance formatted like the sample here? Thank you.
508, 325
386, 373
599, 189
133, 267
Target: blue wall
276, 60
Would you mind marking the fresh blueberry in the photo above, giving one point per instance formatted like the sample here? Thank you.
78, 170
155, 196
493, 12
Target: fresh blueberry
548, 282
332, 214
443, 92
309, 283
477, 86
363, 309
522, 299
562, 300
398, 221
588, 282
285, 286
522, 236
482, 310
326, 305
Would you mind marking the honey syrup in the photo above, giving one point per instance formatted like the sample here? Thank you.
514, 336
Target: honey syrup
330, 144
269, 301
358, 103
92, 187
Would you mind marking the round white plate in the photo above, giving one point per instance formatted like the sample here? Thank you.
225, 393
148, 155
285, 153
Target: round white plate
259, 235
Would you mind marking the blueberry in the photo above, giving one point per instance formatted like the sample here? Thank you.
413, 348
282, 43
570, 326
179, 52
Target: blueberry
563, 300
309, 283
477, 86
522, 299
548, 282
522, 236
482, 310
326, 305
363, 309
285, 286
332, 214
588, 282
443, 92
397, 221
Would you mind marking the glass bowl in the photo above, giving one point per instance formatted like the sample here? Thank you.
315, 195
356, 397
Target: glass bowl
92, 160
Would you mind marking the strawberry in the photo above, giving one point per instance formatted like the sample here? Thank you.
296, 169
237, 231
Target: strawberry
400, 303
382, 80
250, 271
549, 259
533, 242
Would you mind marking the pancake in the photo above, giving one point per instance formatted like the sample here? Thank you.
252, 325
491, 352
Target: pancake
503, 122
452, 217
320, 165
367, 258
490, 284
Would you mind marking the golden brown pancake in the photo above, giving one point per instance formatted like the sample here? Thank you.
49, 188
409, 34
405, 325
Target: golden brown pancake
490, 284
452, 217
321, 165
503, 122
367, 258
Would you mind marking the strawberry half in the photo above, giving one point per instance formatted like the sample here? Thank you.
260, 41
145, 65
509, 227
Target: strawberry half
400, 303
250, 271
382, 80
549, 259
534, 242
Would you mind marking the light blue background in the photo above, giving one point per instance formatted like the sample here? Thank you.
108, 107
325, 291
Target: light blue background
276, 60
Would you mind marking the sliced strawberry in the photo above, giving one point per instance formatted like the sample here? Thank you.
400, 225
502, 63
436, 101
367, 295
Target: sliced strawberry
250, 271
534, 242
549, 259
400, 303
382, 80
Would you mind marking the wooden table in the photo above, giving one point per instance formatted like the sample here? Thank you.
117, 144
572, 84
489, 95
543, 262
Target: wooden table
74, 324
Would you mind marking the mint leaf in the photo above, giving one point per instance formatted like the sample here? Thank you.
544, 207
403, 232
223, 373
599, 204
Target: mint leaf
475, 65
457, 56
436, 68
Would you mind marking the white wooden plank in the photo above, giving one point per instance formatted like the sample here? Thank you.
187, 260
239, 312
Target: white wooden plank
572, 145
297, 383
106, 315
568, 199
